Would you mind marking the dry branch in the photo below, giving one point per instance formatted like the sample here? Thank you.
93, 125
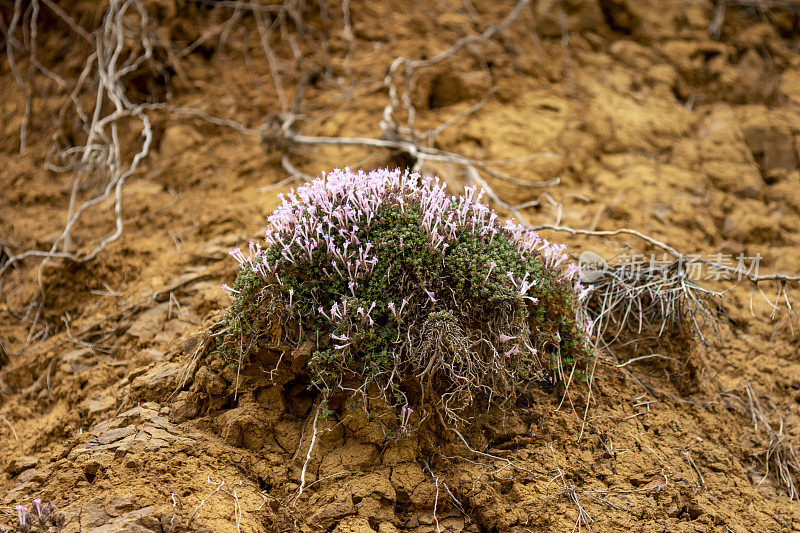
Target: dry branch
100, 157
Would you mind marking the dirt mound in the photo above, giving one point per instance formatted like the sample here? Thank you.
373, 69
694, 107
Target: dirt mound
113, 406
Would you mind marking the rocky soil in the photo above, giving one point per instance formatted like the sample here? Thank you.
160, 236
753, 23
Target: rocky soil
121, 415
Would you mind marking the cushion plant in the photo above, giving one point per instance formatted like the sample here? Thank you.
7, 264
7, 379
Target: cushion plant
402, 286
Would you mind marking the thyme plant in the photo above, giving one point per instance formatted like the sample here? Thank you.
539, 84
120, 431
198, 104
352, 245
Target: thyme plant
400, 285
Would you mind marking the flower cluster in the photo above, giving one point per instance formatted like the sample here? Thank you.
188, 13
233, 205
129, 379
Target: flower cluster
42, 518
329, 214
373, 259
405, 419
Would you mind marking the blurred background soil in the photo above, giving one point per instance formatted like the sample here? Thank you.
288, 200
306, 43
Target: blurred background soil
648, 120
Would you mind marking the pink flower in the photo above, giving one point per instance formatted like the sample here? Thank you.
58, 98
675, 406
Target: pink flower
22, 514
229, 288
572, 270
430, 295
585, 292
492, 265
512, 351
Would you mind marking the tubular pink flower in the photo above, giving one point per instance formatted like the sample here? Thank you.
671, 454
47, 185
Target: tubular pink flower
430, 295
228, 288
22, 514
512, 351
585, 292
572, 271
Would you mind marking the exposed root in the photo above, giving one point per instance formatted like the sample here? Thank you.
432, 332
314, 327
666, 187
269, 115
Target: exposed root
583, 519
6, 422
200, 505
435, 498
763, 7
308, 456
99, 162
658, 296
778, 457
10, 41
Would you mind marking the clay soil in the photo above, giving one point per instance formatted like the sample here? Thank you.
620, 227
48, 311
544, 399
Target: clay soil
112, 407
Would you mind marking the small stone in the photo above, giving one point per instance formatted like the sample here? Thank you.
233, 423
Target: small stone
92, 515
158, 433
149, 322
157, 381
95, 462
184, 407
29, 475
354, 524
139, 412
156, 444
97, 404
160, 421
120, 504
115, 435
19, 464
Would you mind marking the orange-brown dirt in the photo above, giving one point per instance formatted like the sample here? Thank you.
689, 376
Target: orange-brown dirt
653, 125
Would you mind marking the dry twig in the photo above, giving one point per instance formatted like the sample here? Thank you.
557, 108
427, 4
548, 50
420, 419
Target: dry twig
778, 456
